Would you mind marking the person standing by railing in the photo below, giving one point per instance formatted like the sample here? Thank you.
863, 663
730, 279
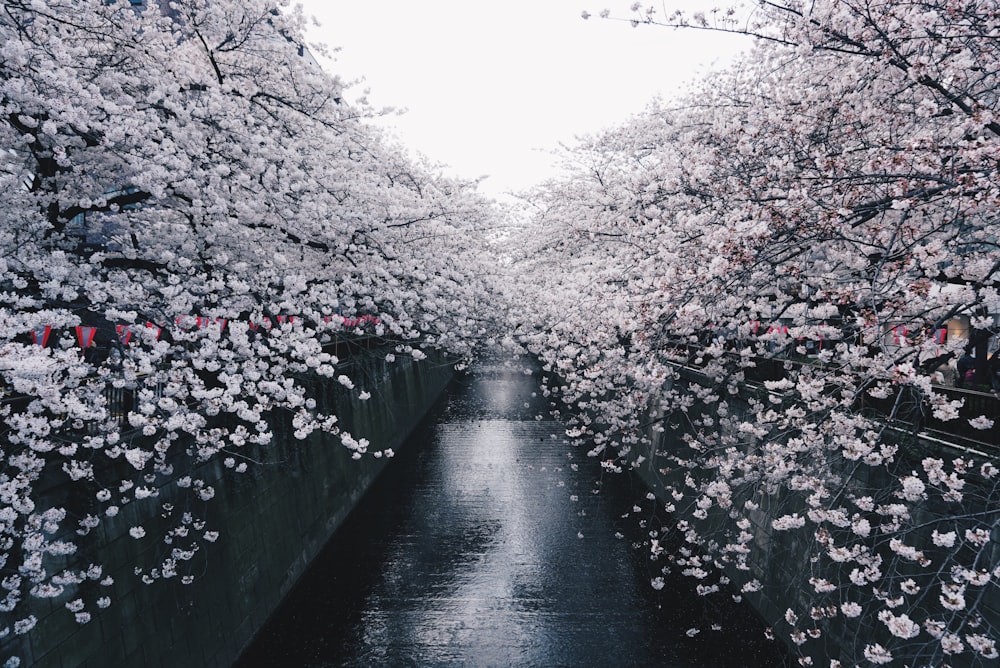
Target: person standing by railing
994, 370
966, 370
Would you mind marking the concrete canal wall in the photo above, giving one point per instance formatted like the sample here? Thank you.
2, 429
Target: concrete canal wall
783, 561
273, 520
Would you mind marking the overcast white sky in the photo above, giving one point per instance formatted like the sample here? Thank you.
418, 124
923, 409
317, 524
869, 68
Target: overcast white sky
491, 88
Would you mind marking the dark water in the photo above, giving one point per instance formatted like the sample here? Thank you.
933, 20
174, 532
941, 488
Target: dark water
481, 546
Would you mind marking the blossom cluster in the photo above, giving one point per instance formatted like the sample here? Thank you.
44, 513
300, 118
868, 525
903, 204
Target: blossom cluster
161, 162
755, 294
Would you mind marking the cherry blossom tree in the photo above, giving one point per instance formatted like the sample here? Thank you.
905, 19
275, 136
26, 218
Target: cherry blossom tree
762, 270
191, 213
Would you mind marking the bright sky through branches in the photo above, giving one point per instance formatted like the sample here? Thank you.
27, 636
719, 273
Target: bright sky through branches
491, 88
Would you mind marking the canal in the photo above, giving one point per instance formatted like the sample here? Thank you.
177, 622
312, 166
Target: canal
488, 542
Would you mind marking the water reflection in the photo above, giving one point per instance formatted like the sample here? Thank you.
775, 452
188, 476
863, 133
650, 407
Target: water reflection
482, 546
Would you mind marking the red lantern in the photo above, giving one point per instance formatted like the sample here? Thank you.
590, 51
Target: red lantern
40, 336
124, 333
85, 336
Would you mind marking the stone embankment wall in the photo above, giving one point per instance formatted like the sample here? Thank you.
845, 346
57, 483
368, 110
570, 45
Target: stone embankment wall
273, 521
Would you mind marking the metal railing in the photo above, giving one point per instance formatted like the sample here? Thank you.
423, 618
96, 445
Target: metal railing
904, 409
